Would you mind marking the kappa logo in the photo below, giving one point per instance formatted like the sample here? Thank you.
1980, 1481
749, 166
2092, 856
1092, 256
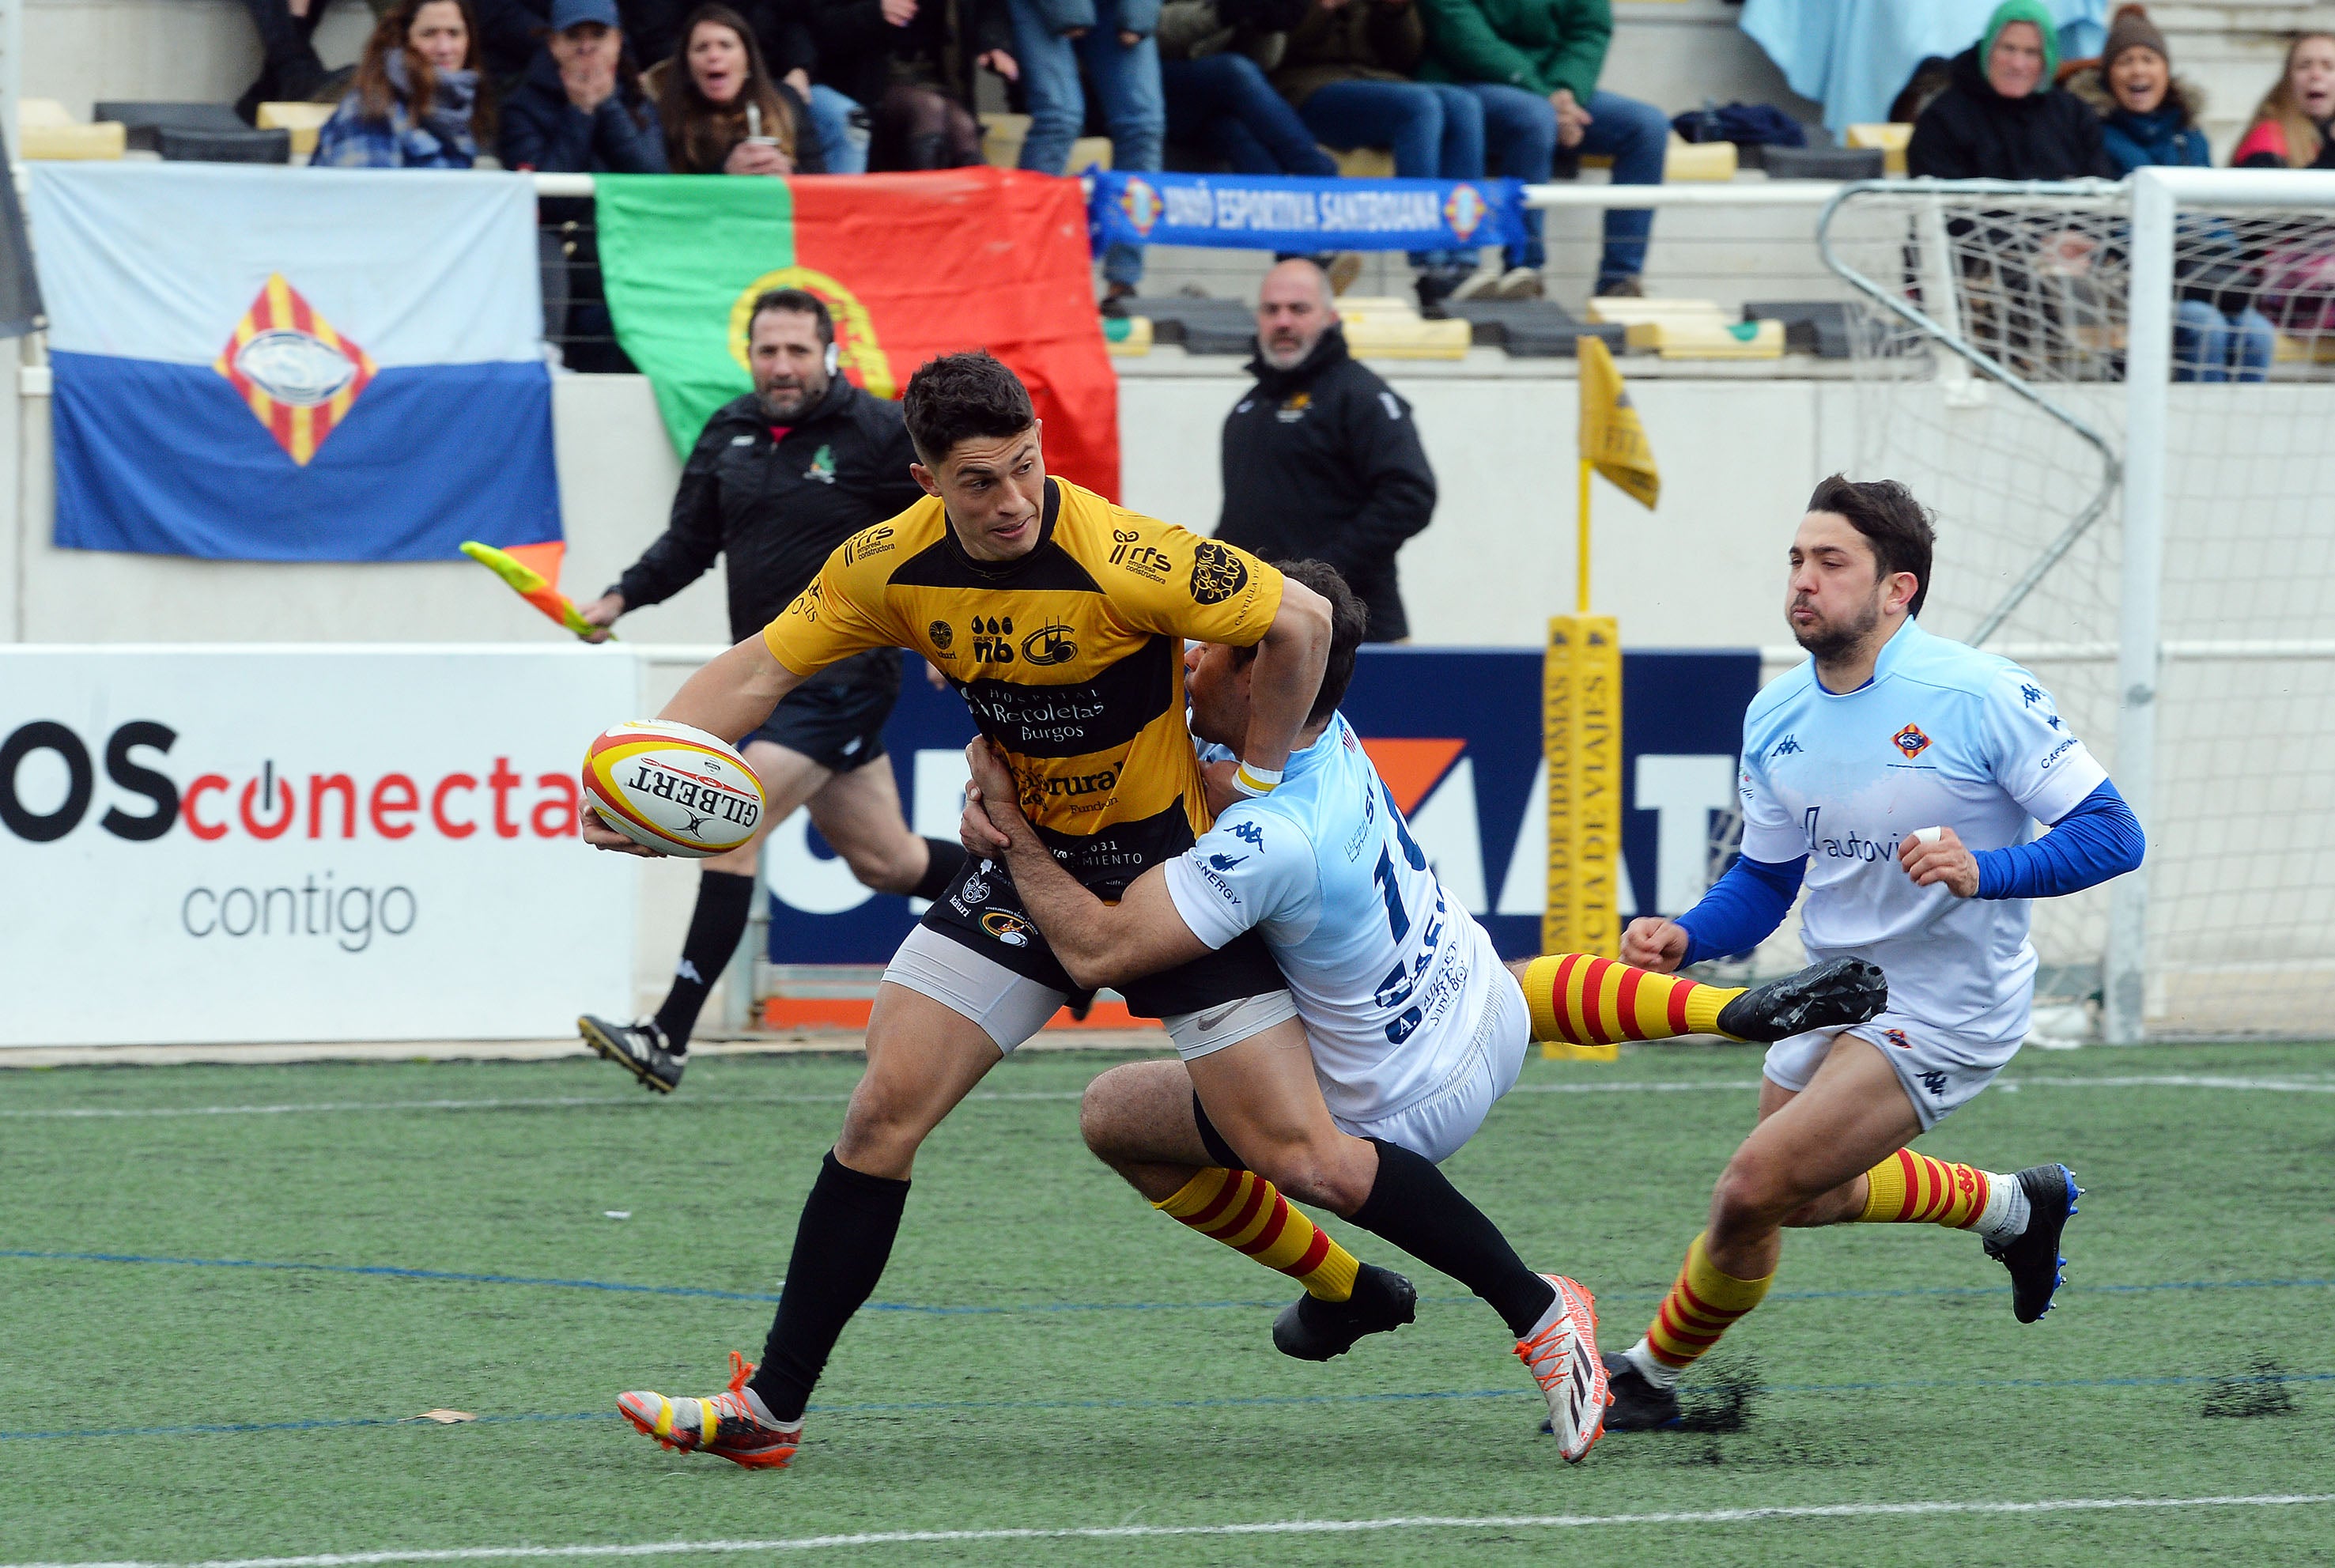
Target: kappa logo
1008, 928
1249, 834
1935, 1082
875, 541
2033, 693
1146, 561
1785, 747
1048, 644
1217, 574
1911, 741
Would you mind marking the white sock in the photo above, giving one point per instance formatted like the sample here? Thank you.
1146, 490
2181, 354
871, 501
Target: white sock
2004, 1218
1642, 1356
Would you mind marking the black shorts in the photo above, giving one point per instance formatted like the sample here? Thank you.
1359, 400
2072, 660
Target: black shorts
836, 717
981, 910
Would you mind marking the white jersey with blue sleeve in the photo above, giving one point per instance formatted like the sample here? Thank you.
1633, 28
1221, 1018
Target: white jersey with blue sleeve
1943, 735
1390, 973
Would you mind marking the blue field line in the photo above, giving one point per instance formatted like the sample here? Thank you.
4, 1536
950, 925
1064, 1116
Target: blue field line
903, 1407
385, 1271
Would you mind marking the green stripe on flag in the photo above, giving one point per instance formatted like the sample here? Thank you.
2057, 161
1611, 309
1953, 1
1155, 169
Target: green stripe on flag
681, 256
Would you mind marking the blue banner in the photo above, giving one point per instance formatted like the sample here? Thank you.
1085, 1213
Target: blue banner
1466, 769
1275, 212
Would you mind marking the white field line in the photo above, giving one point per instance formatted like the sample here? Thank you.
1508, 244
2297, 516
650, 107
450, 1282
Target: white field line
2291, 1085
1278, 1528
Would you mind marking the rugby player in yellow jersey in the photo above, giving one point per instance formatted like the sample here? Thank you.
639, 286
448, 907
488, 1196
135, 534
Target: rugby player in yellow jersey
1061, 619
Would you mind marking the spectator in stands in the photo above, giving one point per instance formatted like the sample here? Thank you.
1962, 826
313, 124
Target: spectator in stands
1320, 457
2000, 119
1533, 64
2294, 126
1213, 57
417, 102
1347, 68
784, 30
722, 110
289, 69
2149, 116
580, 110
509, 32
1113, 40
911, 63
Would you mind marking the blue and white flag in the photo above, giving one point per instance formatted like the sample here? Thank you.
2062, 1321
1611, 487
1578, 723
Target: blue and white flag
291, 364
1279, 212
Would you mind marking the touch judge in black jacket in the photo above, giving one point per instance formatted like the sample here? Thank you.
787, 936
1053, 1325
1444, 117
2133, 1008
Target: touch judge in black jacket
1321, 458
780, 478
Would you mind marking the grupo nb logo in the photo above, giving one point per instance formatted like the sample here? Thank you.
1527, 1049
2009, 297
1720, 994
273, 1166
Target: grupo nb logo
265, 801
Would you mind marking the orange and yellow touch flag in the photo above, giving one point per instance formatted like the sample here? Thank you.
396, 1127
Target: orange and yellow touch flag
1612, 440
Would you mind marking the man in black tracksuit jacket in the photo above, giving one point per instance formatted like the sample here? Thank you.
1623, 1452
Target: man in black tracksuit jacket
780, 480
1321, 458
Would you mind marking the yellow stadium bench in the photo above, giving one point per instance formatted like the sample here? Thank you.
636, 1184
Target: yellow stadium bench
1891, 138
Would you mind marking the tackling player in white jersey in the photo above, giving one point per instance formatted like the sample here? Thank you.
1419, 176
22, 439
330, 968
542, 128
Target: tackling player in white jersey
1412, 1025
1900, 776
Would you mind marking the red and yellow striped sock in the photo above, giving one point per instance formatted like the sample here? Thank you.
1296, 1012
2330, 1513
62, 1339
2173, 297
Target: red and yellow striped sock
1247, 1214
1596, 1001
1698, 1309
1909, 1188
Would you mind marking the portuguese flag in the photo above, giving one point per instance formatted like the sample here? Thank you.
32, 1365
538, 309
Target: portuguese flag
910, 265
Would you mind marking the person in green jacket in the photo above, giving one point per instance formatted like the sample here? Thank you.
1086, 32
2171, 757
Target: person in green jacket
1534, 65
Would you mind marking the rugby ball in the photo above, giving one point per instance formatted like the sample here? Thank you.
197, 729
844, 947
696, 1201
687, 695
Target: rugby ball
673, 789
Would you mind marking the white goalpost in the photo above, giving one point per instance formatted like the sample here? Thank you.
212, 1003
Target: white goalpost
2120, 399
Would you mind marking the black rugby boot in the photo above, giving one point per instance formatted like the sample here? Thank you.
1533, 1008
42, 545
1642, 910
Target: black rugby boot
1829, 996
2032, 1257
637, 1048
1640, 1405
1314, 1329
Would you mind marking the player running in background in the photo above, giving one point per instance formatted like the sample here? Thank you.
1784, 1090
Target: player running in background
778, 478
1412, 1026
1899, 775
1060, 617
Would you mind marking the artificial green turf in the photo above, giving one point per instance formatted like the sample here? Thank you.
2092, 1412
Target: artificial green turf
1165, 1415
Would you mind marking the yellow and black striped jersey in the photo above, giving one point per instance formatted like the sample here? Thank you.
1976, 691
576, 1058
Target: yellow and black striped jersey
1070, 658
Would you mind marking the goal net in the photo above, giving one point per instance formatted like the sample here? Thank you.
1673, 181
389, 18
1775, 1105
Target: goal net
2121, 401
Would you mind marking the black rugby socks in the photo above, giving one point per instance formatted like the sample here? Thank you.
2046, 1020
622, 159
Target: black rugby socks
946, 859
1415, 1206
725, 900
841, 1245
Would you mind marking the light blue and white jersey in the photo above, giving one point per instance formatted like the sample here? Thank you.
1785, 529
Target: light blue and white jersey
1943, 735
1391, 972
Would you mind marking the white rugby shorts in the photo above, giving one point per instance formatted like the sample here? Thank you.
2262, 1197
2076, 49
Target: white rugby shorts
1940, 1068
1447, 1116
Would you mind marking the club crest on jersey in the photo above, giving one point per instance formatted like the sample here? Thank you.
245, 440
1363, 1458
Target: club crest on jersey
822, 468
1217, 574
1294, 409
1897, 1037
1911, 741
941, 634
1048, 644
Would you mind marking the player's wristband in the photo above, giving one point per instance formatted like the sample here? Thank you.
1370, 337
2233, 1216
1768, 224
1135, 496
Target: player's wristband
1253, 780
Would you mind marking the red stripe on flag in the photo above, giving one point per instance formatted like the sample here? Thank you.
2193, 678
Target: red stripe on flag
304, 320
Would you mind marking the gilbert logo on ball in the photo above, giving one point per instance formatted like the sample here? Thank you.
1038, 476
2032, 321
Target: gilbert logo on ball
673, 789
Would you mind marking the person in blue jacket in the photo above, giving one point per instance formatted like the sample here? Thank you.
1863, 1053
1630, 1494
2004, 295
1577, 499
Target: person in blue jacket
580, 109
2149, 116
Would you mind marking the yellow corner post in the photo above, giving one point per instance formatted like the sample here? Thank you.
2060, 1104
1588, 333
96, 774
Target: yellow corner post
1581, 727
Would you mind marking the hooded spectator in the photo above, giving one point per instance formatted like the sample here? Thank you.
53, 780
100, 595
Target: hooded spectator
2149, 116
417, 102
580, 110
912, 63
2000, 118
2294, 126
722, 110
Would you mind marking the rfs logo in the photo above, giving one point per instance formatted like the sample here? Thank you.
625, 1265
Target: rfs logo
1910, 740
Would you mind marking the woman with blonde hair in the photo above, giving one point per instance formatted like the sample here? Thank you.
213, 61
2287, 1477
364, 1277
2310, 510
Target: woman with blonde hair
721, 109
2291, 128
417, 101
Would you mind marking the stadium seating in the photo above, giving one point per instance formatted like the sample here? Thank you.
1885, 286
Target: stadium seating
241, 145
144, 122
